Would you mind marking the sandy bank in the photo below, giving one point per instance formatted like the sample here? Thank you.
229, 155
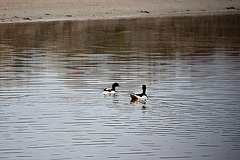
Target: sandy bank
43, 10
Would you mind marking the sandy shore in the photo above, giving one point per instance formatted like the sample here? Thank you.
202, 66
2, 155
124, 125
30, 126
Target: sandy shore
45, 10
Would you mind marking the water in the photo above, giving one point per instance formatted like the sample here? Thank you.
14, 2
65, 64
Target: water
52, 76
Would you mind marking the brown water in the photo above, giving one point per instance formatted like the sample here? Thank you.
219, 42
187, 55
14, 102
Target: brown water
52, 75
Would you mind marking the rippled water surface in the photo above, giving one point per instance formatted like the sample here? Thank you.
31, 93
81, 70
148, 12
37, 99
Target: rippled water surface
52, 76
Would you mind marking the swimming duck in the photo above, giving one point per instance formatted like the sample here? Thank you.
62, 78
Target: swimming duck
108, 91
141, 96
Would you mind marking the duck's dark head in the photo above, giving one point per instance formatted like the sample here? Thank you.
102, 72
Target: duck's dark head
115, 85
144, 87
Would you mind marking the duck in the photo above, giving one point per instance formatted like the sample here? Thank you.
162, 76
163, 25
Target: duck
141, 96
108, 91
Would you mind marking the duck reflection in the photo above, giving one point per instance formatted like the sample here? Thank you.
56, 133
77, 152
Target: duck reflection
144, 107
136, 101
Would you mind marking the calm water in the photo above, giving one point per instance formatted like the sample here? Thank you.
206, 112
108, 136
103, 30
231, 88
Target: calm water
52, 75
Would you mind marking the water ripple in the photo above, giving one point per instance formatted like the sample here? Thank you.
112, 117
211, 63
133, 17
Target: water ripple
52, 76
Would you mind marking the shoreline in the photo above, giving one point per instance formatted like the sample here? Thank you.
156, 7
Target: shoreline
199, 14
21, 11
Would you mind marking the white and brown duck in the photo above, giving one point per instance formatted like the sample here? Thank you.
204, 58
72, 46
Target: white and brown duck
142, 96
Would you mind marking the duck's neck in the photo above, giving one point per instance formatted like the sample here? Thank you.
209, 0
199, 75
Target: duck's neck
144, 91
113, 87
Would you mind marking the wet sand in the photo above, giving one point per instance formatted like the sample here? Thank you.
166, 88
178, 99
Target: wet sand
50, 10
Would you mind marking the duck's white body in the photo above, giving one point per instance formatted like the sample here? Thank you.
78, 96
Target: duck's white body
138, 97
108, 93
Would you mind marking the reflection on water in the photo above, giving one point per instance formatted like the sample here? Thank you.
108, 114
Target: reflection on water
52, 76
